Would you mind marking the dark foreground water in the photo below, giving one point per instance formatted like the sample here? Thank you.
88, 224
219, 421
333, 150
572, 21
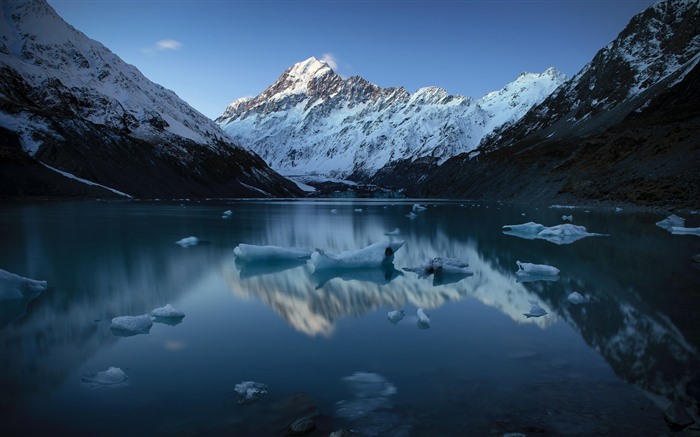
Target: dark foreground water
321, 341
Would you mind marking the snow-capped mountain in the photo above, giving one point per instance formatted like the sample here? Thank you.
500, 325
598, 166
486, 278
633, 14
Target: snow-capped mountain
312, 121
625, 128
70, 103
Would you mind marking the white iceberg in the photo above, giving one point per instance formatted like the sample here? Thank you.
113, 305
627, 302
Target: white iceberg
536, 269
567, 217
527, 230
131, 325
559, 234
535, 310
671, 221
375, 255
167, 312
422, 316
188, 241
576, 298
249, 391
680, 230
228, 213
396, 232
14, 286
113, 377
411, 215
395, 316
250, 252
417, 207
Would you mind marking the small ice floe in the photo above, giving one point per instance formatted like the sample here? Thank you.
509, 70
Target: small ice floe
535, 310
417, 207
567, 217
671, 221
423, 321
395, 316
618, 209
334, 211
251, 252
576, 298
444, 270
250, 391
566, 233
358, 209
167, 315
114, 377
396, 232
411, 215
528, 272
126, 326
375, 255
679, 230
227, 214
188, 241
13, 286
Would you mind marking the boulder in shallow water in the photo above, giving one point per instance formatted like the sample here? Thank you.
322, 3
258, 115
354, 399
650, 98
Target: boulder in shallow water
302, 426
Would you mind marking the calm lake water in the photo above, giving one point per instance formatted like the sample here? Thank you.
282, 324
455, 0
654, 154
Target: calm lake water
321, 341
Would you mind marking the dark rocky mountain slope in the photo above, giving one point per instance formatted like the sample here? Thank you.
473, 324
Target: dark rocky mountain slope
75, 118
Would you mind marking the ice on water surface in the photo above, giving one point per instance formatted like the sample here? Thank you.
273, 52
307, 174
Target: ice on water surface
535, 310
250, 391
13, 286
374, 255
396, 232
417, 207
250, 252
676, 225
422, 316
680, 230
566, 233
187, 241
126, 326
567, 217
396, 316
411, 215
167, 312
114, 377
576, 298
529, 269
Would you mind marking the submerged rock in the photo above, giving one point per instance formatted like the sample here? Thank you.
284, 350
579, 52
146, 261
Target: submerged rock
250, 391
113, 377
302, 426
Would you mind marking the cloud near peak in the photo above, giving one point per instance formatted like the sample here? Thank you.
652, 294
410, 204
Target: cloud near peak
168, 44
329, 59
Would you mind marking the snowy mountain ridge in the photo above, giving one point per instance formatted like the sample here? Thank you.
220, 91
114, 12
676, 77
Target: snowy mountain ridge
312, 121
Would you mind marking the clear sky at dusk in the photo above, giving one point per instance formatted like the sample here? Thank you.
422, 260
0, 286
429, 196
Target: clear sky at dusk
212, 52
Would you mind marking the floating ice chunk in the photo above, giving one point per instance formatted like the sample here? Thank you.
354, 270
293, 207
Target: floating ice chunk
188, 241
374, 255
618, 209
395, 316
411, 215
527, 230
249, 391
671, 221
167, 312
536, 269
334, 211
576, 298
396, 232
126, 326
250, 252
422, 316
535, 310
114, 377
565, 234
562, 206
567, 217
228, 213
679, 230
358, 209
417, 207
440, 266
14, 286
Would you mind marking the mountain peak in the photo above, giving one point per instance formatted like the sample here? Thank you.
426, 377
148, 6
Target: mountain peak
308, 68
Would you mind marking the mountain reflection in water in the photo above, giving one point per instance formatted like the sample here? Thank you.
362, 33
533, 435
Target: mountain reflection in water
124, 262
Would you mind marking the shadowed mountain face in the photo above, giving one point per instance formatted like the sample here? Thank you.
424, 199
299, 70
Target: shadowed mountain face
623, 129
68, 102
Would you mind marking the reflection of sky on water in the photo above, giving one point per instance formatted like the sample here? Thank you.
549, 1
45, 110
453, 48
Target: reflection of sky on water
107, 260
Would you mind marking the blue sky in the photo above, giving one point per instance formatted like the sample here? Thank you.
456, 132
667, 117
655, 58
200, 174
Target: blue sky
211, 52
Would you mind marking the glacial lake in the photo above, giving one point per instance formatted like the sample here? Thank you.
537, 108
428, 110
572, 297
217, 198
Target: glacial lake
321, 341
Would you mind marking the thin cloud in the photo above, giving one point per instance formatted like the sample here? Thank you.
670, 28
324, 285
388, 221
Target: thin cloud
161, 46
168, 44
329, 59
